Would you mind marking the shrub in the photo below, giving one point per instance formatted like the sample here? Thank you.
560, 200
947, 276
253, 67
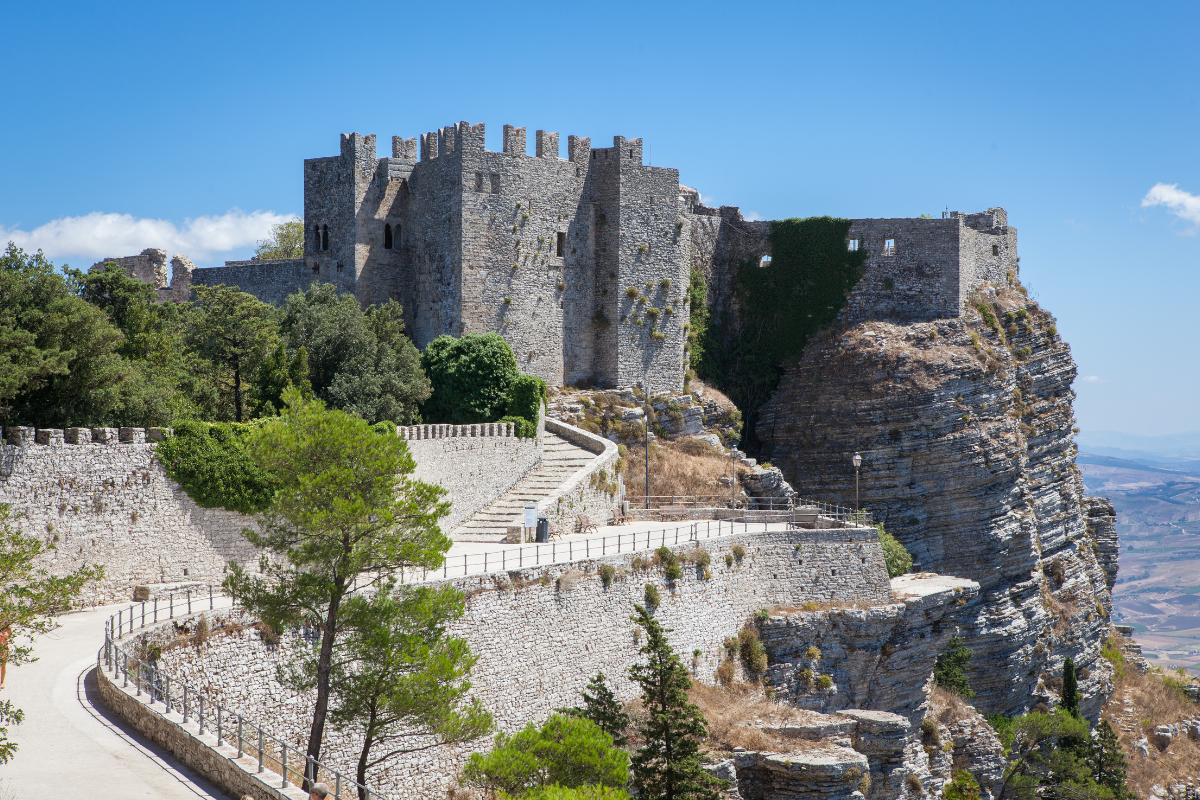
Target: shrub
754, 655
607, 572
556, 792
632, 291
522, 427
561, 285
812, 652
665, 283
728, 560
962, 787
725, 673
667, 559
806, 678
948, 672
211, 464
471, 378
526, 398
913, 782
739, 552
701, 558
564, 750
652, 597
898, 560
732, 647
824, 682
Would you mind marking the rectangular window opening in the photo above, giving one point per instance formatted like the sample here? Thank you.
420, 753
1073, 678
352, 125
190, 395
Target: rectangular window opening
889, 247
479, 181
852, 245
561, 245
995, 249
495, 183
764, 261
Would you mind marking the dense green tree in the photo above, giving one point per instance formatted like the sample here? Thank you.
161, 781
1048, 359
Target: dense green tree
346, 516
601, 706
471, 378
1047, 758
276, 373
59, 359
285, 241
567, 751
962, 786
667, 765
397, 680
949, 671
234, 331
1107, 762
1070, 690
359, 361
30, 600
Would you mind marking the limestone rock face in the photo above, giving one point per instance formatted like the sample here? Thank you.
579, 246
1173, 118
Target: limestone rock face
965, 428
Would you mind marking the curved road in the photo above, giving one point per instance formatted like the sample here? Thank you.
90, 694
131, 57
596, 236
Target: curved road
71, 741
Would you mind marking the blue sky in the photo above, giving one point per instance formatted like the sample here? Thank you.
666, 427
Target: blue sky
1065, 114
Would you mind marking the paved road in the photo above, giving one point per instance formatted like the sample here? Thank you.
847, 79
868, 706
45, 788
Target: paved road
71, 745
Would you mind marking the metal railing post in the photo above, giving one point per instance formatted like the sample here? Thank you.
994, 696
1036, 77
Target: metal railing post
189, 597
167, 692
239, 755
200, 712
185, 703
220, 738
210, 598
260, 749
156, 609
171, 600
283, 761
125, 669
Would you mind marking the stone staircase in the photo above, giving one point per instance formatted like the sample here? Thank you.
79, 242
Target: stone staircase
560, 460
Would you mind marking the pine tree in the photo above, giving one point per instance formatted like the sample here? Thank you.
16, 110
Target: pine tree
949, 672
667, 766
600, 706
1070, 690
1107, 762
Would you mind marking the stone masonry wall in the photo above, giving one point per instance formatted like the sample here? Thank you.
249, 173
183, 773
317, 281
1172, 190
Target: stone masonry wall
476, 464
541, 633
112, 504
271, 280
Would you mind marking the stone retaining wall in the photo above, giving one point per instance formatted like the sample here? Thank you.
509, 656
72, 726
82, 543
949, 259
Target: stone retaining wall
541, 633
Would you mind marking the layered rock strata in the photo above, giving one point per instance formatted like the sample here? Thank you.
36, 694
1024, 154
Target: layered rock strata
965, 427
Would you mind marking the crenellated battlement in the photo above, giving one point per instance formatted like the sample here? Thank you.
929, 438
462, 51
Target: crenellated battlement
477, 431
23, 436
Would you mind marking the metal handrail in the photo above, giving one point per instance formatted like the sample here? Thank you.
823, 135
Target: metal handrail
585, 548
191, 704
749, 502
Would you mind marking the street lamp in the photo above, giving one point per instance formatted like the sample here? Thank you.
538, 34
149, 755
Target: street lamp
646, 429
857, 461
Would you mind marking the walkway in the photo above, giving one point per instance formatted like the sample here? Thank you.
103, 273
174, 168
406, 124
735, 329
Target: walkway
71, 745
560, 460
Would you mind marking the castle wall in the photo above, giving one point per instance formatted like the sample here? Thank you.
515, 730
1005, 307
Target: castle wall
270, 280
541, 633
721, 241
113, 504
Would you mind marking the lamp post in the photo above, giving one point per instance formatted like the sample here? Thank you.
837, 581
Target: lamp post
857, 461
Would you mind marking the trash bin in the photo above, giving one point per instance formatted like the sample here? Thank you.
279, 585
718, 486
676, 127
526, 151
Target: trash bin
543, 529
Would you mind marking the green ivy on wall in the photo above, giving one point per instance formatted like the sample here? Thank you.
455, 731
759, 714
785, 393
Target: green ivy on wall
781, 305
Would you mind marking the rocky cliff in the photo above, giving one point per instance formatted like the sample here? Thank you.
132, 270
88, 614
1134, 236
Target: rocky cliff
966, 431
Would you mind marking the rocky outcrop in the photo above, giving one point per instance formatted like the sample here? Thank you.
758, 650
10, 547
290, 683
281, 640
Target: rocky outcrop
965, 428
880, 657
1102, 528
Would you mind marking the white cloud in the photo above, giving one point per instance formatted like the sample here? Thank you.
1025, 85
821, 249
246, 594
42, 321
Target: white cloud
753, 216
98, 235
1090, 379
1184, 205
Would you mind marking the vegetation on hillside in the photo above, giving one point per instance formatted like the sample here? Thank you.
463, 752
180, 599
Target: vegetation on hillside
781, 305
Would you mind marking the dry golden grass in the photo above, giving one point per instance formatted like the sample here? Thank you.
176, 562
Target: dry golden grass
737, 714
680, 469
948, 707
1154, 702
813, 605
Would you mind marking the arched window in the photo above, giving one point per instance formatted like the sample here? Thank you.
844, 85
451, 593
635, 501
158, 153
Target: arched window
324, 237
387, 237
316, 237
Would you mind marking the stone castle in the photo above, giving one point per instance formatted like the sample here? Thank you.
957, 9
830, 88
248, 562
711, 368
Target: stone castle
581, 263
